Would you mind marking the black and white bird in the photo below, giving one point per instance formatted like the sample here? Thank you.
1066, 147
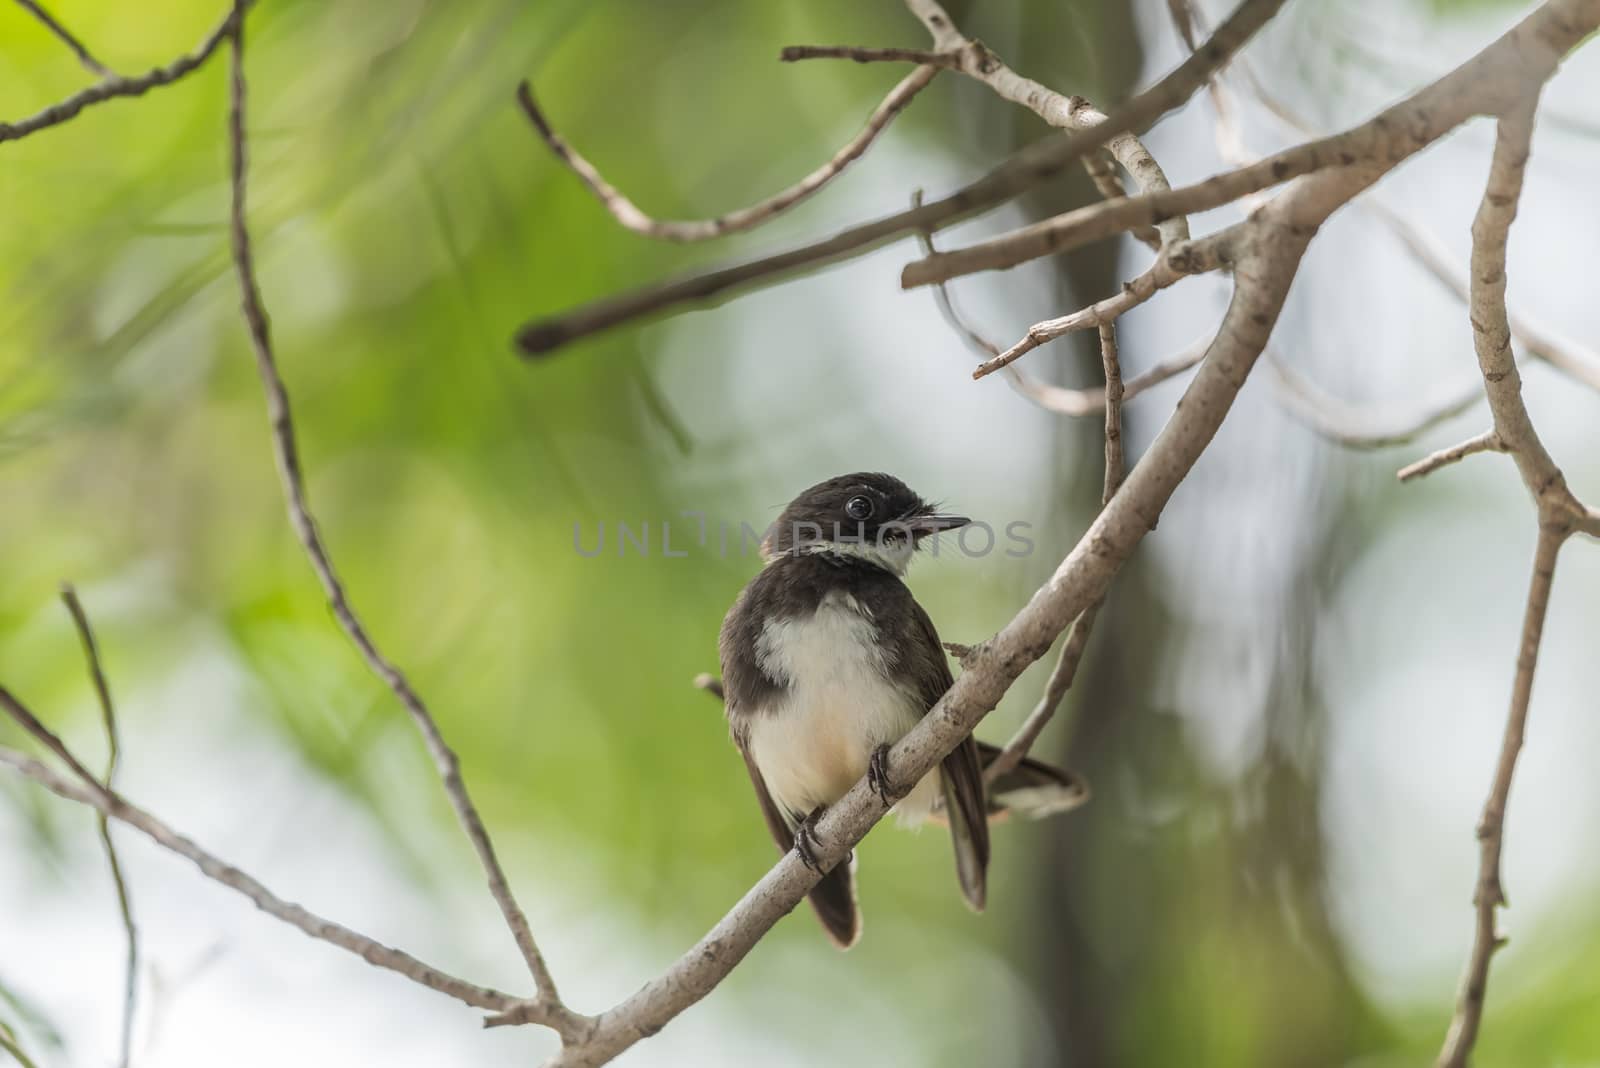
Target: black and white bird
827, 660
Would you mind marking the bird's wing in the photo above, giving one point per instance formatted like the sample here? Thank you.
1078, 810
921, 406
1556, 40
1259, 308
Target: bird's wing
961, 772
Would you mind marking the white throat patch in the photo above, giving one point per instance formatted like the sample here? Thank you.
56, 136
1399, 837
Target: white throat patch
893, 555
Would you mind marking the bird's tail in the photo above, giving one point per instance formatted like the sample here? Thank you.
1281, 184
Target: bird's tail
1033, 789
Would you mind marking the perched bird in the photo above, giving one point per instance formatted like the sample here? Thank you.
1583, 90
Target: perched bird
827, 660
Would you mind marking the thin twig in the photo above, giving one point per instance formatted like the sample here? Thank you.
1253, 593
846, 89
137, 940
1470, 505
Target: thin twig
795, 53
1098, 165
1488, 441
1066, 669
108, 714
287, 454
1070, 113
1559, 514
1490, 892
91, 64
630, 216
10, 1046
114, 87
1167, 269
1052, 398
1564, 354
1111, 364
1025, 170
112, 804
1358, 427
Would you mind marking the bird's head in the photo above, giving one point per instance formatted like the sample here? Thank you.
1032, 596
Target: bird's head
871, 515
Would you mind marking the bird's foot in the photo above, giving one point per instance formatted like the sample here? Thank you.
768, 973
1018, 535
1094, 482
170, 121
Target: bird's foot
878, 776
805, 840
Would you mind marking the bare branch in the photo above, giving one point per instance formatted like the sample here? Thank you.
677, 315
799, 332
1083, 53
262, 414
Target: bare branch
794, 53
1028, 168
1564, 354
628, 214
108, 713
1358, 426
1059, 110
1053, 398
1111, 364
1559, 515
1066, 669
1173, 264
114, 86
1489, 894
1383, 141
92, 65
305, 527
10, 1046
112, 804
1098, 166
1487, 441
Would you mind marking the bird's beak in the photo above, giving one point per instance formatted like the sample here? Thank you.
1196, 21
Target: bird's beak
923, 525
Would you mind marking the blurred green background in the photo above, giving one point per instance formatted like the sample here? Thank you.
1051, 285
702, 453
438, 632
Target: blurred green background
1289, 706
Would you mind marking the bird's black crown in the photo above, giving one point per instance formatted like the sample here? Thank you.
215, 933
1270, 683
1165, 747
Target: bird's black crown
868, 509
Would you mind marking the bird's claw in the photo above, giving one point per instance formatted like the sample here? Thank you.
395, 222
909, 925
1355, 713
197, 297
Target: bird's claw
805, 841
878, 776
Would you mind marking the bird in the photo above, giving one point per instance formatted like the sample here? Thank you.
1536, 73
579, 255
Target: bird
828, 660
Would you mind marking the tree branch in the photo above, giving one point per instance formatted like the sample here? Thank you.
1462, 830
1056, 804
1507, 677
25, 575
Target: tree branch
108, 713
1559, 515
1490, 894
630, 217
1487, 441
115, 86
1053, 398
112, 804
1175, 262
1066, 669
287, 454
1028, 168
1360, 426
64, 35
1071, 113
795, 53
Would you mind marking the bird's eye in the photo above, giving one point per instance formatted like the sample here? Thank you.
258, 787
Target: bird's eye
858, 508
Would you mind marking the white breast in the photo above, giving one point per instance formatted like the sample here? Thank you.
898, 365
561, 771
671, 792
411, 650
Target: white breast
839, 705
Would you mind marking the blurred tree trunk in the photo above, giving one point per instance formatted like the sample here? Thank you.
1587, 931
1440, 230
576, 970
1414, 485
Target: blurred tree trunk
1147, 925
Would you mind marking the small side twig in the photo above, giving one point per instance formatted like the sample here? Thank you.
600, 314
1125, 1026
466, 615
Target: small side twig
65, 36
795, 53
1066, 669
1168, 269
1025, 170
90, 792
1489, 894
1357, 427
130, 980
1488, 441
1052, 398
114, 87
625, 212
287, 454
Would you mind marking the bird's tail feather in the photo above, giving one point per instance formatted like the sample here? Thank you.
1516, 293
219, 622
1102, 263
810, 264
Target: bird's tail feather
1033, 789
961, 779
834, 900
